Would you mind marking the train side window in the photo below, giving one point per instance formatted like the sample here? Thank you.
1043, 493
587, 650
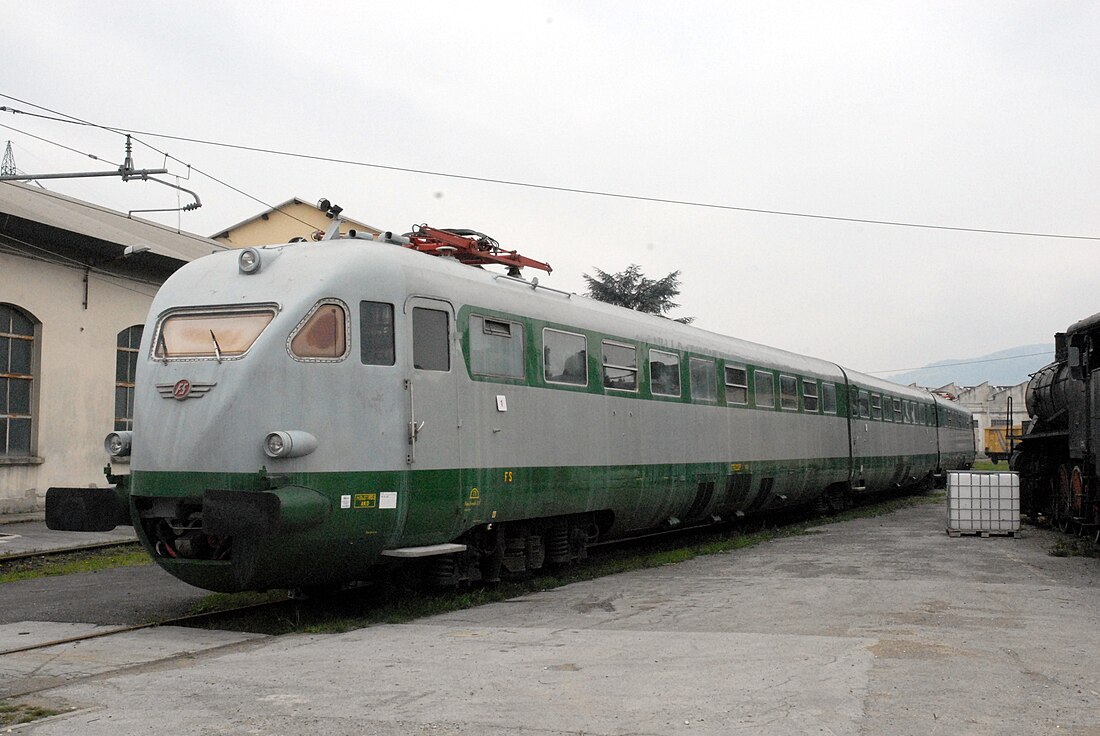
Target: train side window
737, 385
565, 357
876, 406
620, 366
828, 398
865, 404
496, 348
788, 393
704, 379
897, 410
431, 340
809, 395
764, 388
887, 409
664, 373
376, 345
322, 335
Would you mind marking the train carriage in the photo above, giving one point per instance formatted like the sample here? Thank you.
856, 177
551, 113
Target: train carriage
303, 411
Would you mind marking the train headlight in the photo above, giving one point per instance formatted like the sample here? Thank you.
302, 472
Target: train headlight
117, 444
289, 444
249, 260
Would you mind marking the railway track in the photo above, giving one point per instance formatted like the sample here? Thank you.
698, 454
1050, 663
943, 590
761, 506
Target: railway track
191, 620
46, 553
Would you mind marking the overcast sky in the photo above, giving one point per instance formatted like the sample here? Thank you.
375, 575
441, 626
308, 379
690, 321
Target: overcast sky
962, 114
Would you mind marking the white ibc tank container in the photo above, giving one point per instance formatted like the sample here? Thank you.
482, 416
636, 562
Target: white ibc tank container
983, 501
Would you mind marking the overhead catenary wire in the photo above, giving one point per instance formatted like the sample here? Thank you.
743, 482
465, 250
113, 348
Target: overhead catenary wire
72, 120
529, 185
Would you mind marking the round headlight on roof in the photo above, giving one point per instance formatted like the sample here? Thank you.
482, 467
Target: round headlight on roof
249, 260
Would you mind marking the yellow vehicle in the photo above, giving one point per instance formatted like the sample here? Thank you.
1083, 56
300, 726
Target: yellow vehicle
999, 444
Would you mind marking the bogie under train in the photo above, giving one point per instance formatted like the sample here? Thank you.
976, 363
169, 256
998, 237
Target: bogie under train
304, 412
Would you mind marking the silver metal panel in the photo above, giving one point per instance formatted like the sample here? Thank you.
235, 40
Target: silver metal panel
360, 413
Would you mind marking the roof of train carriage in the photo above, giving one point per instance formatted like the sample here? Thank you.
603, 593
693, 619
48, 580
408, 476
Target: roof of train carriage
449, 278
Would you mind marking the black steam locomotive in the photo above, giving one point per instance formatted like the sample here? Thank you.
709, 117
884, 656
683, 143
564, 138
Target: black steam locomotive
1059, 456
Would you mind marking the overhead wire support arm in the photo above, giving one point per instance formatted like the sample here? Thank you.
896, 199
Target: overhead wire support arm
132, 174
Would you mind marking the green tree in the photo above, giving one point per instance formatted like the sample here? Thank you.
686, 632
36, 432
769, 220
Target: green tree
631, 289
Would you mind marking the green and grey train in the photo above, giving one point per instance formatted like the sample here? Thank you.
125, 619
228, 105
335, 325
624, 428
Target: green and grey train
305, 412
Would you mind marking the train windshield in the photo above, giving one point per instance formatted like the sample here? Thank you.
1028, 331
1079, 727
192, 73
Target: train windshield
211, 334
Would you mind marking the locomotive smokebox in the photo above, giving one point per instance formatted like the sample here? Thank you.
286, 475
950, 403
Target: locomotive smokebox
1048, 396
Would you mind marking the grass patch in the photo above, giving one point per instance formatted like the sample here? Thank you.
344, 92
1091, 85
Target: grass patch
1075, 547
986, 465
13, 714
30, 568
393, 603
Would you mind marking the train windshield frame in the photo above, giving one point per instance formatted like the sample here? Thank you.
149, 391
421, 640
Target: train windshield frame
211, 333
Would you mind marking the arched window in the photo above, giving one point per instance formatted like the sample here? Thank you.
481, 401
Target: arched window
16, 381
125, 368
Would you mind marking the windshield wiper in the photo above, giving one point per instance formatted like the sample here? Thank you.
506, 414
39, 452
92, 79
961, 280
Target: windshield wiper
217, 348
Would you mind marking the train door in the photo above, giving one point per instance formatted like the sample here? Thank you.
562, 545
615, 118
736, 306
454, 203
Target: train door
858, 433
431, 394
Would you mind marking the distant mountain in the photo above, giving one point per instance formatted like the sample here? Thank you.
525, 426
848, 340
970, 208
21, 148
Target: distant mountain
1004, 368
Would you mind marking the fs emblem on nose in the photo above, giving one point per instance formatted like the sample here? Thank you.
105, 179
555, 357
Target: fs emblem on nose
184, 389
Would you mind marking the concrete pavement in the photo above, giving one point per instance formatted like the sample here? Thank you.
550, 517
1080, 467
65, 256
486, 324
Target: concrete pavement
874, 626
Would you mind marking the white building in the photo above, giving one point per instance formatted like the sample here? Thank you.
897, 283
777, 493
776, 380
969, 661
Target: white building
995, 407
76, 282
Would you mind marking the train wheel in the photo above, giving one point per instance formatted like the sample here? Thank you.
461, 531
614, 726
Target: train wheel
1077, 494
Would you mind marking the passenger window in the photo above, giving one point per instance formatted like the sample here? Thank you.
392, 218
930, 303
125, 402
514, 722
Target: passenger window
322, 335
376, 344
788, 393
496, 348
737, 385
704, 379
620, 366
865, 404
809, 395
763, 385
828, 398
431, 340
565, 357
897, 410
664, 373
876, 406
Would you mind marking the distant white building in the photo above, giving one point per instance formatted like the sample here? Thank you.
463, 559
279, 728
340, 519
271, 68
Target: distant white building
995, 407
76, 282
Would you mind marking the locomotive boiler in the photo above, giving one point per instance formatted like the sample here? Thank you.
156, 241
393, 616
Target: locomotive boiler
1058, 456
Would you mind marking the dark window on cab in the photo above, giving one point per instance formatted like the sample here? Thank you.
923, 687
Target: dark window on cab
431, 340
376, 342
